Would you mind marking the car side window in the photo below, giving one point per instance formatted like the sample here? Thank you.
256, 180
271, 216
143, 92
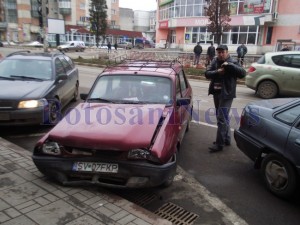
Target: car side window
69, 61
295, 62
183, 83
290, 115
59, 68
282, 60
178, 92
65, 63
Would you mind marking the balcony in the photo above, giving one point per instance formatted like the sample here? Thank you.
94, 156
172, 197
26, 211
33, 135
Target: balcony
64, 7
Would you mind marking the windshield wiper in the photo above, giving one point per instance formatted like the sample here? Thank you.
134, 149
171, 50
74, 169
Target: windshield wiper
100, 100
7, 78
26, 77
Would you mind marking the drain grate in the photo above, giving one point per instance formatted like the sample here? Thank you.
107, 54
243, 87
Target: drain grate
176, 214
138, 197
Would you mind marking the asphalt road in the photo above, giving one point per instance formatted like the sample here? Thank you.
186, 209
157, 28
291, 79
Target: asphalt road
220, 188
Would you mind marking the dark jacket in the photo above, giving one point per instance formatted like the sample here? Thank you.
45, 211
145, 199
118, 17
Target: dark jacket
211, 51
228, 80
198, 49
241, 51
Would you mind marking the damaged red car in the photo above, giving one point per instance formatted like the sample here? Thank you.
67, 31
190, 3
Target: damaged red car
126, 133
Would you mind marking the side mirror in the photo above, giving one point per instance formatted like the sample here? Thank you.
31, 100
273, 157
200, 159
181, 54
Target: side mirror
83, 96
61, 77
183, 101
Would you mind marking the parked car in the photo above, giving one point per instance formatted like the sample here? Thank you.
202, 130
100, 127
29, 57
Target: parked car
1, 44
128, 131
125, 44
33, 44
77, 46
269, 134
275, 73
35, 86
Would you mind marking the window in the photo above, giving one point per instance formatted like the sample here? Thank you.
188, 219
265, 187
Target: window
59, 68
295, 62
113, 12
290, 115
269, 35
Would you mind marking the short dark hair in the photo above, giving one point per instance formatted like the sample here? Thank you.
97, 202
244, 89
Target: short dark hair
222, 47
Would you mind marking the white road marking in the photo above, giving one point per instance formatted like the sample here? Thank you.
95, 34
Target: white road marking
214, 201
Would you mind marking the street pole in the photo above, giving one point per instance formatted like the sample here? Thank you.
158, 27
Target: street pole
44, 14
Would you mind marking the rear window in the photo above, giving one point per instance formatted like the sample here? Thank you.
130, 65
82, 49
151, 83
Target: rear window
262, 60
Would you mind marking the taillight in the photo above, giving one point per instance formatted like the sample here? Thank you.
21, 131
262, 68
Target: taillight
251, 69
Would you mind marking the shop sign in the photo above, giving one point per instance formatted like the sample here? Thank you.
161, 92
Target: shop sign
187, 36
163, 24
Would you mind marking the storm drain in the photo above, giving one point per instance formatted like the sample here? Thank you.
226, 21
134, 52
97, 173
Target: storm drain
176, 214
140, 198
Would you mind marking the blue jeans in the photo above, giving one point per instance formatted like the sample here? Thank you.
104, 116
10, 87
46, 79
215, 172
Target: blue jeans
222, 114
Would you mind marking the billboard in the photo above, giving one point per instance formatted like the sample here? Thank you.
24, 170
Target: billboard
56, 26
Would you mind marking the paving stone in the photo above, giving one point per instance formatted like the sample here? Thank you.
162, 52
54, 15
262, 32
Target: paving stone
86, 220
119, 215
78, 204
21, 220
25, 204
42, 201
59, 194
93, 200
3, 217
3, 205
9, 180
127, 219
113, 207
103, 218
99, 204
138, 221
50, 197
12, 212
30, 208
80, 197
45, 185
58, 212
25, 174
21, 193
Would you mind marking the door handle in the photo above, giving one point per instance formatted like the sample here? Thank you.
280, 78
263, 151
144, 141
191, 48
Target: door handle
297, 142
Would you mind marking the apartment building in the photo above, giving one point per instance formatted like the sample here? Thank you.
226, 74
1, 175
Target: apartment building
263, 25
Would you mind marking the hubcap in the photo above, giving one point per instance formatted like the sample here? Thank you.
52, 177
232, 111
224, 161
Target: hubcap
276, 175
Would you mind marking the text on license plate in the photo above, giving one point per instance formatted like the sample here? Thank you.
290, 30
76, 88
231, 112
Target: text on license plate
95, 167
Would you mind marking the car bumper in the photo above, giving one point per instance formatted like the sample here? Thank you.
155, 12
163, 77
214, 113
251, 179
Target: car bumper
248, 145
250, 82
23, 117
131, 174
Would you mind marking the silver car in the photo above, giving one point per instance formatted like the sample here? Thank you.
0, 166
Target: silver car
275, 73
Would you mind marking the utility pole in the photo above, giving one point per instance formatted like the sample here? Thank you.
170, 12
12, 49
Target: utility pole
44, 29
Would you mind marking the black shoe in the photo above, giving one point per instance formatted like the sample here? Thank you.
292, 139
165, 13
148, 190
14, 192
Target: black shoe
215, 148
227, 143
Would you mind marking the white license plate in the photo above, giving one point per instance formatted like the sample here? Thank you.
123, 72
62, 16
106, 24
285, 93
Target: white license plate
95, 167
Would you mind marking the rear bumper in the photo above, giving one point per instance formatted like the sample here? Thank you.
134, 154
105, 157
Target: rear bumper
248, 145
131, 174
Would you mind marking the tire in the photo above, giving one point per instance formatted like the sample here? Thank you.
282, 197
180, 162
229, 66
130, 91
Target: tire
54, 112
279, 175
267, 89
76, 92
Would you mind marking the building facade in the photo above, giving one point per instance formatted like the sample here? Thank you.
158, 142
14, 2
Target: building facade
260, 24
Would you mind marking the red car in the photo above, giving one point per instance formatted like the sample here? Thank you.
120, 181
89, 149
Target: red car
126, 133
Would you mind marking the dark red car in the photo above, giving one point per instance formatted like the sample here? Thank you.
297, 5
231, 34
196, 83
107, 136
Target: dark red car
126, 133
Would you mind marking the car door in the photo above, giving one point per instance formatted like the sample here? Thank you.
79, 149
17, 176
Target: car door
185, 92
294, 83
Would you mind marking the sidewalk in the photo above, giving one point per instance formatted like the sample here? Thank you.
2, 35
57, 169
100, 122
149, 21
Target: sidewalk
27, 197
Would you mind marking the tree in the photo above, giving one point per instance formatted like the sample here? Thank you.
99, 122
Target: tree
98, 18
219, 16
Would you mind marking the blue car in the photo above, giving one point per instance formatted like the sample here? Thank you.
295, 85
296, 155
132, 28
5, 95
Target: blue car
269, 134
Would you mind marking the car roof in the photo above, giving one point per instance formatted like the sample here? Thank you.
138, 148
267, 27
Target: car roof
32, 55
139, 67
282, 53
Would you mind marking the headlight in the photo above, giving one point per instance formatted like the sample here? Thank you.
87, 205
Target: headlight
29, 104
142, 154
51, 148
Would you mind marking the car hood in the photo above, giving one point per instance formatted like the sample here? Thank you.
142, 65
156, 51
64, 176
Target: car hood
20, 89
108, 126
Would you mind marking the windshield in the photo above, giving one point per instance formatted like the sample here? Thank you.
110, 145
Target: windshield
26, 68
132, 89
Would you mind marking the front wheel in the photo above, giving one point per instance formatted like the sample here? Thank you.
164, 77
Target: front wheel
54, 112
279, 175
267, 89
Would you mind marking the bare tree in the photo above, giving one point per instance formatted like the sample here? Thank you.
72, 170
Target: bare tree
219, 16
98, 18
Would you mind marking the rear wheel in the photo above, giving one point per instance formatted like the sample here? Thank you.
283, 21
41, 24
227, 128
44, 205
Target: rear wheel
267, 89
279, 175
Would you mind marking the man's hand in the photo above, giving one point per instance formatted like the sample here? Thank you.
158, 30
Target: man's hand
221, 71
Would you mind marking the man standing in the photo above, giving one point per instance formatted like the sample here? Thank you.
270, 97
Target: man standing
211, 52
108, 47
223, 73
286, 48
197, 51
241, 52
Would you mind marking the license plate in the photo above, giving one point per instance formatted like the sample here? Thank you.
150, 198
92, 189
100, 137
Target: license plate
4, 116
95, 167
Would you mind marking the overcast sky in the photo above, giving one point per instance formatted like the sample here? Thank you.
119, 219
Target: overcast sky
147, 5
